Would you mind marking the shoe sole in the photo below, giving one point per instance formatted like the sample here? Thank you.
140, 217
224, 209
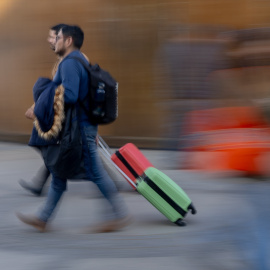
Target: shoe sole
112, 226
23, 219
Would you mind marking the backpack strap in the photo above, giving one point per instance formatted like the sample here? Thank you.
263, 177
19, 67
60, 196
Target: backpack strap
86, 66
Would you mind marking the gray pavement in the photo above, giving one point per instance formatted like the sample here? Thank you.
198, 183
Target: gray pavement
230, 231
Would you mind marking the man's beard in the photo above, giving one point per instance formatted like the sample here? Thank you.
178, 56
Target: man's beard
61, 52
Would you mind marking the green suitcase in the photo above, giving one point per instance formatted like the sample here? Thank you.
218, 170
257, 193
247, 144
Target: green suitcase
163, 193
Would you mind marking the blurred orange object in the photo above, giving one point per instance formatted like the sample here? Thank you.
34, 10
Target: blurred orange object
224, 118
232, 138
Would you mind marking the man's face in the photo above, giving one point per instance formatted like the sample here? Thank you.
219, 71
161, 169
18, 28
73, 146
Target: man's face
52, 39
60, 45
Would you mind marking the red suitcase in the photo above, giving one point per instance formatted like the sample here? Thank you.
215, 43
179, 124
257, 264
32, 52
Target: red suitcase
131, 161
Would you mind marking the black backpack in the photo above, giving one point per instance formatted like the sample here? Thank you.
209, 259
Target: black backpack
102, 95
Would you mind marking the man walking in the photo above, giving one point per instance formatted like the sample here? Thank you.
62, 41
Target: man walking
74, 78
38, 182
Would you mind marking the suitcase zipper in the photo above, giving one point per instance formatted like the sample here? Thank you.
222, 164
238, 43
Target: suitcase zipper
124, 161
161, 193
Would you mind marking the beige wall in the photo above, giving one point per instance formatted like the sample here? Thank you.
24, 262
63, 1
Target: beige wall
123, 36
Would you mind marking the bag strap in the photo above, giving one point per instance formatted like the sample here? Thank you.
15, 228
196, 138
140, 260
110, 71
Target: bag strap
86, 66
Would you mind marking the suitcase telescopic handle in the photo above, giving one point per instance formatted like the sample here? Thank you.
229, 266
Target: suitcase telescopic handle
105, 146
105, 150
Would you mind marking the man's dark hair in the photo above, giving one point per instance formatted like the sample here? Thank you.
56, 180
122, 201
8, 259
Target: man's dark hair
58, 27
76, 33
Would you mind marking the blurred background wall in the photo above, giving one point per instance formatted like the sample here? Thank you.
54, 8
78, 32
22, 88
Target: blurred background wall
169, 57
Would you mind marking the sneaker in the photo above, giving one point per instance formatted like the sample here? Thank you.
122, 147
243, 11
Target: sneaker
30, 188
32, 221
110, 226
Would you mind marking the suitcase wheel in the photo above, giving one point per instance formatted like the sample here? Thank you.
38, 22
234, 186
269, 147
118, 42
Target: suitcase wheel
180, 223
192, 208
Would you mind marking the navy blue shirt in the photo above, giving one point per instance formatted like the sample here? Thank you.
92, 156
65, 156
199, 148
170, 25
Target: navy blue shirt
74, 78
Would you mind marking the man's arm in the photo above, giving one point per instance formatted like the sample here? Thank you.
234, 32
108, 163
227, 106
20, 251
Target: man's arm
70, 73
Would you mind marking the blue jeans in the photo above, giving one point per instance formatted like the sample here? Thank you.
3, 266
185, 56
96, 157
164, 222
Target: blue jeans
95, 172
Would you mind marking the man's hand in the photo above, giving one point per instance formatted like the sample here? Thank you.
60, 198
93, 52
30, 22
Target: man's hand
30, 113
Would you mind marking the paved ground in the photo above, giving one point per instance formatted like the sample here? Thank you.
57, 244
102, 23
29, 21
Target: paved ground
230, 231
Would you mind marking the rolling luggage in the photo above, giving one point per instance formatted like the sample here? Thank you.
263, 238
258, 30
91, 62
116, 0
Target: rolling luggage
164, 194
131, 161
159, 189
